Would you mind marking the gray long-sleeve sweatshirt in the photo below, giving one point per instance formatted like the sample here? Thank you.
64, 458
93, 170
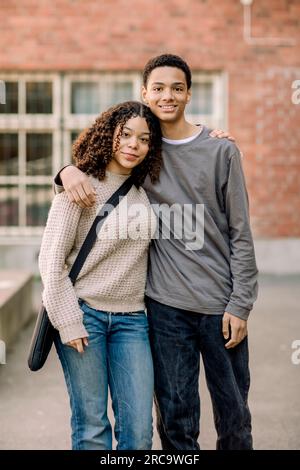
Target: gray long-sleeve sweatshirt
206, 262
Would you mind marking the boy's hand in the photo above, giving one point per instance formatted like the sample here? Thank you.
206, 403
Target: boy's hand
221, 134
236, 326
78, 187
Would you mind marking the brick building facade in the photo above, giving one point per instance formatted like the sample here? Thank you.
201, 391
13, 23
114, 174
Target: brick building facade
245, 58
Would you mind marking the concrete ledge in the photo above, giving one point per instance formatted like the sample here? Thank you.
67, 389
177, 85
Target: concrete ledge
16, 305
278, 256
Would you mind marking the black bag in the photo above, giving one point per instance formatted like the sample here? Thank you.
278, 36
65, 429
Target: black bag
43, 334
41, 342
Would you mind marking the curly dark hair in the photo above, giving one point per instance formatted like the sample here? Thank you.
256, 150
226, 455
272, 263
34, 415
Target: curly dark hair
167, 60
92, 150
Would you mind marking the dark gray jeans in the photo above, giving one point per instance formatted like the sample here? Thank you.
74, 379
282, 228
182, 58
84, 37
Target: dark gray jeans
177, 338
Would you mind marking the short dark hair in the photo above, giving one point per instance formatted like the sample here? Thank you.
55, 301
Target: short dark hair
92, 150
167, 60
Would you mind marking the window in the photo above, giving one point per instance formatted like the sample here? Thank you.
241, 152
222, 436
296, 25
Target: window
201, 102
39, 154
39, 97
29, 152
85, 98
37, 204
87, 95
74, 135
11, 105
9, 206
23, 157
95, 97
9, 151
208, 102
42, 116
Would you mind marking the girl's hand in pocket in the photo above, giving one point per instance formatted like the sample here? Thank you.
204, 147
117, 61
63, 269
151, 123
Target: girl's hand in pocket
78, 344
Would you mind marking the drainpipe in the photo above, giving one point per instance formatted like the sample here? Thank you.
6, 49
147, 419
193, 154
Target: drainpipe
260, 41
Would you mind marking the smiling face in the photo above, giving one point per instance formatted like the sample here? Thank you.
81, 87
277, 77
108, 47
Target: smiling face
132, 148
166, 93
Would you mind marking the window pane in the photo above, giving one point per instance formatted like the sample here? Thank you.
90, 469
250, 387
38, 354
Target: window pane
11, 105
84, 98
39, 97
202, 99
9, 205
38, 154
38, 200
115, 93
9, 154
74, 135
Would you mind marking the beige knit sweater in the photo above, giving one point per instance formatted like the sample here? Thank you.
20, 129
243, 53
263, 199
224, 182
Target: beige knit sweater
113, 276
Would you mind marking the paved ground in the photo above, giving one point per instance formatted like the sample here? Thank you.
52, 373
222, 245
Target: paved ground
34, 411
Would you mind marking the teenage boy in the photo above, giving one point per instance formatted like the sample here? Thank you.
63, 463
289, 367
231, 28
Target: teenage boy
200, 293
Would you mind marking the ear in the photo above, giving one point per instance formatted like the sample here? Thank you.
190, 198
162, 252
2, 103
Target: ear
189, 95
144, 95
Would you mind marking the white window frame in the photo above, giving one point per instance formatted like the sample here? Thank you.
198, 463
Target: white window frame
218, 118
81, 121
21, 124
60, 123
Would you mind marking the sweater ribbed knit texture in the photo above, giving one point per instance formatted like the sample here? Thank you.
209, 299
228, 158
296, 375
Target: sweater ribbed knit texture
113, 276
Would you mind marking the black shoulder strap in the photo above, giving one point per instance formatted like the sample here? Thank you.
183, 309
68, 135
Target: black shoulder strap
88, 243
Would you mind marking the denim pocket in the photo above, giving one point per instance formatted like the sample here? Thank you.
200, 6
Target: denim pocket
84, 306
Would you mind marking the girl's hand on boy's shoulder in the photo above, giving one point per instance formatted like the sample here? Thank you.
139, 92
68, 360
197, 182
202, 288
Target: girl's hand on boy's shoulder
220, 134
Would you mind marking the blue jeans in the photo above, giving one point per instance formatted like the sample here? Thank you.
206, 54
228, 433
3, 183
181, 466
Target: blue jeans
178, 337
119, 357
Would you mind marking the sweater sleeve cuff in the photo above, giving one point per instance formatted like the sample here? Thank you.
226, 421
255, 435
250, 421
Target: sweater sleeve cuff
74, 331
237, 311
58, 186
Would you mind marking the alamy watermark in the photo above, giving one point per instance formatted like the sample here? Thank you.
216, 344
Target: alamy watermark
295, 357
296, 94
2, 352
183, 222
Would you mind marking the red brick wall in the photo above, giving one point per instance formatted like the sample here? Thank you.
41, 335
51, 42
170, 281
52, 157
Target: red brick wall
123, 34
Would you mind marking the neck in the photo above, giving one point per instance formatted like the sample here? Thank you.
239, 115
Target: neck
178, 130
112, 167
